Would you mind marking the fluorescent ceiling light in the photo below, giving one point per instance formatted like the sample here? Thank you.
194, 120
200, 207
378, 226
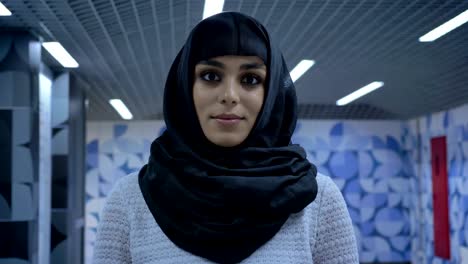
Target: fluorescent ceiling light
359, 93
445, 28
120, 107
212, 7
4, 11
300, 69
60, 54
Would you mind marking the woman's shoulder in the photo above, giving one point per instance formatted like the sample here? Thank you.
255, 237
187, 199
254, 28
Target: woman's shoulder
125, 189
126, 182
329, 193
325, 183
333, 236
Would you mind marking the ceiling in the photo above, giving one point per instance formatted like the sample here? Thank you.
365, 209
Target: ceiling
126, 47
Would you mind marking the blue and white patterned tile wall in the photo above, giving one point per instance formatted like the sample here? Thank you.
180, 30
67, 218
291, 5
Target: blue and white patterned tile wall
368, 161
454, 125
113, 151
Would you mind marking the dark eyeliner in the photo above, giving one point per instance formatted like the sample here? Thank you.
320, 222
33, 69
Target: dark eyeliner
208, 71
255, 76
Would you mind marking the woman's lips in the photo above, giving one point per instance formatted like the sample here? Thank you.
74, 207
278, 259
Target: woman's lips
227, 116
227, 122
228, 119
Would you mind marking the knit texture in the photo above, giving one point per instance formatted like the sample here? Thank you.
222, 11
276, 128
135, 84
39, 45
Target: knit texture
321, 233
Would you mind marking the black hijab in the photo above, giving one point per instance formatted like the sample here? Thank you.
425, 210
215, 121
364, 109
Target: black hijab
224, 203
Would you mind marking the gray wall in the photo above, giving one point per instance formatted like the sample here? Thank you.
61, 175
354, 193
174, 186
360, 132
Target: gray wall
68, 139
42, 137
19, 68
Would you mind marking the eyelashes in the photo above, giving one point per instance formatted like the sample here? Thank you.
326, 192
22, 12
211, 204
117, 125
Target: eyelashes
249, 79
210, 76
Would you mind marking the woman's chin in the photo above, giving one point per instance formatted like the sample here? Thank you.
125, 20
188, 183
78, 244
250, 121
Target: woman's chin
226, 140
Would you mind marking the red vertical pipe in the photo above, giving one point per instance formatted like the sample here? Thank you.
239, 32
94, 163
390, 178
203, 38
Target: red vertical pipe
440, 197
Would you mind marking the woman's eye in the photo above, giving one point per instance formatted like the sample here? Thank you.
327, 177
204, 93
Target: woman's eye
251, 79
210, 76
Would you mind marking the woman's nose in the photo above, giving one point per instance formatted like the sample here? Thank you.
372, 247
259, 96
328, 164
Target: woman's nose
230, 93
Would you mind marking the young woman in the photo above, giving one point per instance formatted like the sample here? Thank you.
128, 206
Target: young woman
224, 183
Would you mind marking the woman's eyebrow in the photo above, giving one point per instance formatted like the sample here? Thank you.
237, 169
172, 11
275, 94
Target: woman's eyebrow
212, 63
246, 66
254, 65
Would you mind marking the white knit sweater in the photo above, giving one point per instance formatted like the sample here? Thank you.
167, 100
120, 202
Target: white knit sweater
321, 233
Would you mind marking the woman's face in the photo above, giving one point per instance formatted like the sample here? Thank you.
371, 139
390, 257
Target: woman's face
228, 94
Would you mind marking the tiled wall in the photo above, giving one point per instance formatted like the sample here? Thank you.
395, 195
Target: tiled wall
368, 161
454, 125
60, 161
18, 155
370, 165
113, 150
39, 212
